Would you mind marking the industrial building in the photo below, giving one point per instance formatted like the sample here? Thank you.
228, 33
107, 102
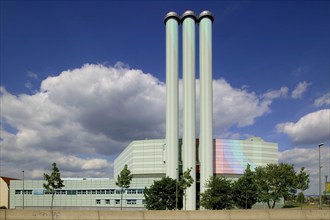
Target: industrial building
147, 161
151, 160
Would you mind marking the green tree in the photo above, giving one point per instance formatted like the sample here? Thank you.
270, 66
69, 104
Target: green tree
245, 190
161, 195
124, 182
218, 194
302, 180
302, 183
301, 199
53, 182
185, 182
275, 181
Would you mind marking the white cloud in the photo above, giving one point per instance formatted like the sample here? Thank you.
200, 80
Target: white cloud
323, 100
276, 93
309, 158
82, 118
239, 107
32, 75
311, 128
28, 85
300, 89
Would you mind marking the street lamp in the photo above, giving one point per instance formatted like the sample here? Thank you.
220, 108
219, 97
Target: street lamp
23, 189
320, 195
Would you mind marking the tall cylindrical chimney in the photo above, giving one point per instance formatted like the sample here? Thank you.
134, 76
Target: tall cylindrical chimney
189, 116
206, 98
172, 127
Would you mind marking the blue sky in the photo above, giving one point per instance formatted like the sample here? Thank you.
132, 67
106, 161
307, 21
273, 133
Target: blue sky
270, 66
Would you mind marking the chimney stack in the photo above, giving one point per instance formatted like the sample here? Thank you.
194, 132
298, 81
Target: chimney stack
189, 96
172, 102
206, 98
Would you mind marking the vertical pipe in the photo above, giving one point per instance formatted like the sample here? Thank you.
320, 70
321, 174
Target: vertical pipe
206, 98
172, 128
189, 116
320, 194
23, 188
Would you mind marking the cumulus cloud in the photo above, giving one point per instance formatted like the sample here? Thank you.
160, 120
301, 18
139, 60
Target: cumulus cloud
323, 100
84, 117
309, 129
309, 158
300, 89
239, 107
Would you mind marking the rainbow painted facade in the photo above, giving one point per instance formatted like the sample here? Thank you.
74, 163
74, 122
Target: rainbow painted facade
232, 156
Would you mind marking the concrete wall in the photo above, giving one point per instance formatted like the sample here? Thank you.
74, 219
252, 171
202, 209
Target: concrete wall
278, 214
4, 191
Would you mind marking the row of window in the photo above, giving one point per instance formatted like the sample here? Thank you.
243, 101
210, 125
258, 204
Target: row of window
117, 201
81, 192
21, 192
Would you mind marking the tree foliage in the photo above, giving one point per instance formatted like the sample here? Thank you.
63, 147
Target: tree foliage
167, 193
161, 195
218, 194
301, 198
124, 181
245, 190
302, 180
53, 182
185, 182
275, 181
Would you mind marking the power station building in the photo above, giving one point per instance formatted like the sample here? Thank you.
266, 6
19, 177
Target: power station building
147, 161
151, 160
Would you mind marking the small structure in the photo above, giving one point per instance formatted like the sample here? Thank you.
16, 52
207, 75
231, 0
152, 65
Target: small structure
4, 191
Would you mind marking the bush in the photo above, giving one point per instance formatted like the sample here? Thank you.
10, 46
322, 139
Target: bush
289, 206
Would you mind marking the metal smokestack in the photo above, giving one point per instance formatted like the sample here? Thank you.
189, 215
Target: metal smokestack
189, 114
206, 98
172, 128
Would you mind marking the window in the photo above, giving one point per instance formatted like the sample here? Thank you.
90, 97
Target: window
144, 202
118, 191
117, 201
131, 191
131, 201
72, 192
107, 201
27, 191
140, 191
17, 192
98, 201
112, 191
